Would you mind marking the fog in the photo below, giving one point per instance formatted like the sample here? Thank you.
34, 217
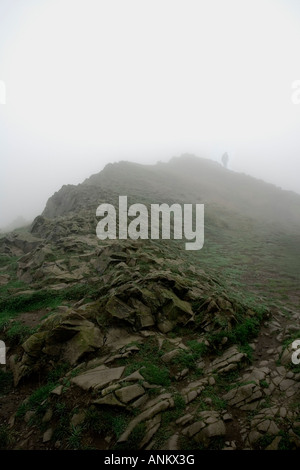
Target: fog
87, 82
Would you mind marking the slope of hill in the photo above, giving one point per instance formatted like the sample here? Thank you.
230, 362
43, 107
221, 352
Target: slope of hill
252, 229
139, 344
184, 179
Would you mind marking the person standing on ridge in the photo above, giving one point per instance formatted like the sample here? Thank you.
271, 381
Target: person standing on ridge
225, 159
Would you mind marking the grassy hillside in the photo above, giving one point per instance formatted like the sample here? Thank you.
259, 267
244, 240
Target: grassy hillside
192, 179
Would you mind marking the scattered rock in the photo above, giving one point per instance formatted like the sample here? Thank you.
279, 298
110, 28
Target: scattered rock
28, 416
78, 418
47, 416
230, 360
47, 436
209, 425
146, 415
127, 394
97, 378
243, 396
152, 427
57, 390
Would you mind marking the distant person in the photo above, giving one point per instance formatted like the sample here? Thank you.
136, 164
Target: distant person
225, 160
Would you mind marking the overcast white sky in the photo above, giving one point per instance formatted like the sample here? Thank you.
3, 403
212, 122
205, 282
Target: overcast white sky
93, 81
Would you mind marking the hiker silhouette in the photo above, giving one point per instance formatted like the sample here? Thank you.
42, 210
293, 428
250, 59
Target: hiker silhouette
225, 159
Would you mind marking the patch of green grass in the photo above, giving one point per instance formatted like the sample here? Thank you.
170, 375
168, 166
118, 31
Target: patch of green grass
241, 334
294, 368
217, 402
62, 428
18, 333
170, 416
134, 439
60, 408
198, 349
157, 375
10, 305
4, 320
201, 405
46, 298
179, 403
188, 358
246, 349
56, 373
264, 383
227, 381
36, 400
185, 359
11, 287
245, 331
172, 334
11, 265
106, 421
5, 260
75, 437
148, 360
119, 424
154, 370
162, 435
93, 420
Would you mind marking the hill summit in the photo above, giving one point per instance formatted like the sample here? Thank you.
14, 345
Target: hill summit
183, 179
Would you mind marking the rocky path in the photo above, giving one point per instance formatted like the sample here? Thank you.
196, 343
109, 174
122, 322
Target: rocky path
259, 404
262, 409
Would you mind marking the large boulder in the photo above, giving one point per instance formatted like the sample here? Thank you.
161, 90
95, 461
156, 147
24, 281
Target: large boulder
65, 336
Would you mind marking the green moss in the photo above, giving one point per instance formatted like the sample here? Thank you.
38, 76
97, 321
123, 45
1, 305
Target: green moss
157, 375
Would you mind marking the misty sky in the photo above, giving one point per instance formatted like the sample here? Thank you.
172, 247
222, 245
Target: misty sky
93, 81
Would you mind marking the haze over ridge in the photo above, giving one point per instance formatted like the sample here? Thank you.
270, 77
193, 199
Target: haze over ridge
183, 179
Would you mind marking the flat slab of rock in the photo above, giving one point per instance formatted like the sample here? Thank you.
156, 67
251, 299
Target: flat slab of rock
58, 390
243, 395
127, 394
146, 415
210, 425
193, 389
228, 361
98, 377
